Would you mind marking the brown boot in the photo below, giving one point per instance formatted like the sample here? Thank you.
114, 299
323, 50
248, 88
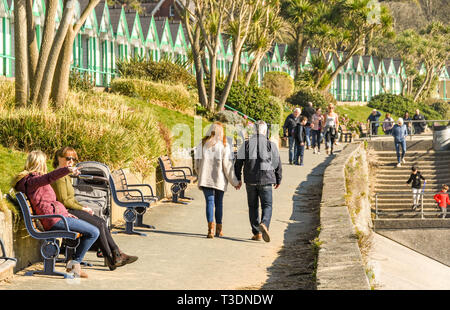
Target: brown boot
210, 230
219, 230
127, 259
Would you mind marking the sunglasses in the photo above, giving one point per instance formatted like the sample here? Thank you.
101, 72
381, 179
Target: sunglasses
71, 158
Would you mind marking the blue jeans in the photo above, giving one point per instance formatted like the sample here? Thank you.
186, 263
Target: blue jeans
88, 231
316, 138
255, 193
401, 144
292, 149
214, 204
300, 152
308, 136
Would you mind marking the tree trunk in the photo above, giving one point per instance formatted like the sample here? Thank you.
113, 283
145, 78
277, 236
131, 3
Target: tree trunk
229, 83
20, 47
424, 83
44, 91
255, 64
46, 45
212, 81
60, 85
32, 45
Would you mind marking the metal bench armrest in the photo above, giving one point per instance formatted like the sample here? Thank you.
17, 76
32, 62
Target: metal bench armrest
142, 185
177, 170
131, 190
66, 225
184, 167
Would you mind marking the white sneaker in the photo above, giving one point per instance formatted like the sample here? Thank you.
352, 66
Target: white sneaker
318, 152
314, 150
399, 165
403, 160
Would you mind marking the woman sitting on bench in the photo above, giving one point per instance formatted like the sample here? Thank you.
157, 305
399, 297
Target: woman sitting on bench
66, 157
34, 182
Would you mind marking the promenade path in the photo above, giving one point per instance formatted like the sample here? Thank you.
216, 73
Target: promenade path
177, 254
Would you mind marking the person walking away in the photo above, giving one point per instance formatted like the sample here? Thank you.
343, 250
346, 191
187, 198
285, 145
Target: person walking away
443, 200
330, 129
388, 124
214, 167
65, 193
374, 117
416, 185
317, 122
400, 133
308, 111
300, 139
260, 160
420, 124
288, 131
34, 182
407, 119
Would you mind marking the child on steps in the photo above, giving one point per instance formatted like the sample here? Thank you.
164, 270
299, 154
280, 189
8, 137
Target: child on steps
443, 200
416, 184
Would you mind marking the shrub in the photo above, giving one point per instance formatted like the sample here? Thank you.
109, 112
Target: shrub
230, 117
253, 101
7, 94
175, 97
305, 95
280, 84
398, 105
79, 81
161, 71
100, 126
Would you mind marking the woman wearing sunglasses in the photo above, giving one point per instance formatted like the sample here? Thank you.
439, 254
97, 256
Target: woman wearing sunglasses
67, 157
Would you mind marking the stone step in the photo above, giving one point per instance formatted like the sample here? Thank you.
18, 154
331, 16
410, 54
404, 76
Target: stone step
407, 172
400, 180
411, 223
413, 153
408, 166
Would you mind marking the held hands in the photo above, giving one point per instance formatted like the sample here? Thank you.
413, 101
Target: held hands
238, 187
275, 186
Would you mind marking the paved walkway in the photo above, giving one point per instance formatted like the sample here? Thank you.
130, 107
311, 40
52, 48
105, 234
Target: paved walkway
177, 255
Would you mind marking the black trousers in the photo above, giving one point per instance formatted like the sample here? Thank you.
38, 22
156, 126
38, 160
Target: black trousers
105, 241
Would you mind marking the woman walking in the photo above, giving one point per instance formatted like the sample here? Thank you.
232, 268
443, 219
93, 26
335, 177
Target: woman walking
214, 167
317, 121
330, 128
66, 157
35, 182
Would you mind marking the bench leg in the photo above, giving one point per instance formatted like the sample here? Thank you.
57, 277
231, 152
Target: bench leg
139, 222
49, 270
129, 230
182, 196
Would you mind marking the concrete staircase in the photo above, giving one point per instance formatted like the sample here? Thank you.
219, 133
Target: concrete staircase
394, 199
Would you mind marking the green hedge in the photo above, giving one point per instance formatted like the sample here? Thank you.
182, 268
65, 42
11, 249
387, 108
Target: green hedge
305, 95
175, 97
253, 101
398, 105
157, 71
280, 84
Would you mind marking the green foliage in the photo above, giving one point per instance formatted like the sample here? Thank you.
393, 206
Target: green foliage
398, 105
100, 126
305, 95
253, 101
79, 81
175, 97
280, 84
157, 71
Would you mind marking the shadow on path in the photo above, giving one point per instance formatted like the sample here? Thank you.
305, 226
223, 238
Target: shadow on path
294, 269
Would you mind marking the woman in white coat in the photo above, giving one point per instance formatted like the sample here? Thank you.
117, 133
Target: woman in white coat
214, 167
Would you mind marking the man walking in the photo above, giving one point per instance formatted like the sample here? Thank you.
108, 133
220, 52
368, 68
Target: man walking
308, 111
262, 169
288, 130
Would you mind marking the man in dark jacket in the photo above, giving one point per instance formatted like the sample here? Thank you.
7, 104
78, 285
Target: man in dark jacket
419, 127
374, 117
300, 139
260, 159
309, 111
288, 131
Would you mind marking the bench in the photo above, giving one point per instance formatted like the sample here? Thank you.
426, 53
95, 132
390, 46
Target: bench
125, 185
50, 247
346, 135
6, 263
363, 129
180, 177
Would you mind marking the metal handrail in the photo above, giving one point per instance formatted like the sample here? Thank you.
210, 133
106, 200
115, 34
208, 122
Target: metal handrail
422, 213
369, 130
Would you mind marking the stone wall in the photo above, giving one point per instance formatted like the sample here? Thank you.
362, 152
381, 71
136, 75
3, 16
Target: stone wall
340, 265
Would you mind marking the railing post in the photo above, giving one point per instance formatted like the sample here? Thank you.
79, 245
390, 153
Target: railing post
376, 205
421, 202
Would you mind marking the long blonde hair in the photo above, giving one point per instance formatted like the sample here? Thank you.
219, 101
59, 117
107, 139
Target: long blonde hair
214, 135
36, 162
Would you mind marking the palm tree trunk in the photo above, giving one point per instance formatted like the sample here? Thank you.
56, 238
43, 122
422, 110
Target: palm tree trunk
33, 52
20, 46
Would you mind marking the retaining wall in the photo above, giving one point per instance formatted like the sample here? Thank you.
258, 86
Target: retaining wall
340, 265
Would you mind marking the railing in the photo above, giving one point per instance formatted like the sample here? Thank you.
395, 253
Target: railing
395, 194
410, 127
